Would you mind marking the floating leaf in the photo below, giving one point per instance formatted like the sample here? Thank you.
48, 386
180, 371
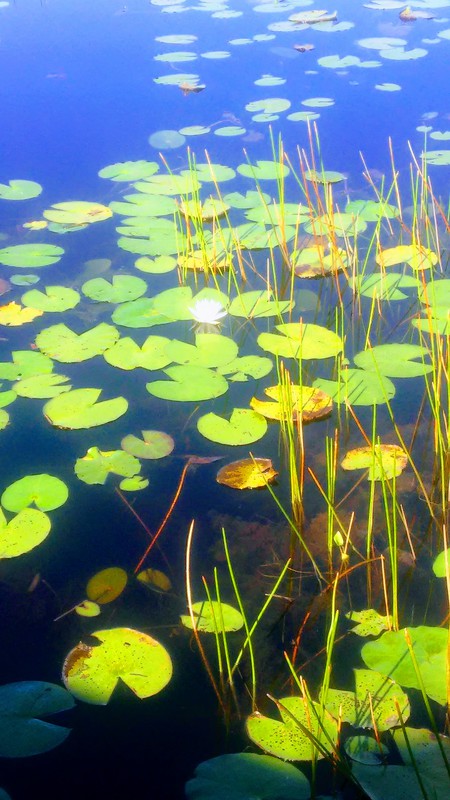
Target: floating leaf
23, 532
377, 702
385, 285
390, 655
251, 305
96, 465
30, 255
264, 170
372, 210
301, 340
244, 427
91, 672
383, 461
42, 386
210, 350
53, 298
366, 749
15, 315
77, 212
250, 199
87, 608
25, 363
395, 360
79, 409
189, 383
247, 473
156, 266
22, 704
418, 257
120, 289
212, 616
45, 491
154, 444
324, 176
245, 776
154, 579
62, 344
370, 622
135, 484
106, 585
441, 564
19, 190
358, 388
126, 354
292, 402
240, 369
129, 171
315, 262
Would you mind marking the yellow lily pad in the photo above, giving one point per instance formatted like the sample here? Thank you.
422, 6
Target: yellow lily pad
91, 672
247, 473
23, 532
13, 314
77, 212
154, 579
106, 585
383, 461
418, 257
87, 608
293, 401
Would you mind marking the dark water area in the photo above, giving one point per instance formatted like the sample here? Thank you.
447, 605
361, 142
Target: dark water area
84, 86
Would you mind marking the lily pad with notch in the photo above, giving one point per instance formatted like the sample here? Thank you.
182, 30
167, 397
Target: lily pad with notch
79, 409
153, 445
62, 344
44, 491
189, 383
96, 465
22, 705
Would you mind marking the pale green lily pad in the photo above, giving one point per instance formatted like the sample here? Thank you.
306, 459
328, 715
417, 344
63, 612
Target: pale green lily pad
270, 105
156, 266
194, 130
169, 184
338, 224
324, 176
188, 382
4, 419
216, 54
304, 341
212, 172
23, 532
79, 409
24, 280
177, 78
318, 102
77, 213
210, 350
213, 617
440, 136
25, 363
369, 622
253, 304
129, 171
400, 54
62, 344
358, 387
264, 170
244, 427
141, 313
19, 190
153, 445
246, 776
395, 360
22, 731
177, 55
286, 739
176, 38
135, 484
372, 210
388, 87
245, 367
440, 564
126, 354
269, 80
390, 655
42, 386
143, 205
96, 465
230, 130
53, 298
275, 214
45, 491
435, 157
385, 286
7, 397
250, 199
166, 140
91, 672
120, 289
302, 116
377, 702
30, 255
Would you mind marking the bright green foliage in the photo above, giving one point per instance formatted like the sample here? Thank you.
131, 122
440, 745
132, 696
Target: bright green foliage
120, 289
385, 285
371, 210
25, 363
136, 206
244, 427
79, 409
377, 702
337, 224
7, 397
442, 563
45, 491
156, 266
275, 213
264, 170
358, 388
210, 350
395, 360
172, 185
258, 304
126, 354
286, 739
369, 622
245, 367
189, 383
42, 386
23, 532
96, 465
390, 655
213, 617
62, 344
250, 199
435, 297
19, 190
30, 255
169, 306
142, 313
129, 171
22, 731
91, 672
4, 419
53, 298
300, 340
154, 444
134, 484
247, 776
217, 173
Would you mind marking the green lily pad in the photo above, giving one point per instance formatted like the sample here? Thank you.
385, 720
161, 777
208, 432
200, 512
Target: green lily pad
62, 344
7, 397
53, 298
230, 130
42, 387
126, 354
4, 419
45, 491
79, 409
258, 304
269, 105
395, 360
25, 363
154, 444
358, 387
244, 427
22, 704
120, 289
170, 184
369, 622
156, 266
264, 170
213, 617
250, 199
96, 465
301, 341
138, 205
390, 655
129, 171
324, 176
24, 280
30, 255
440, 564
286, 739
19, 190
135, 484
337, 224
77, 213
210, 350
437, 157
245, 367
385, 286
210, 172
91, 672
188, 382
377, 702
372, 210
23, 532
382, 460
246, 776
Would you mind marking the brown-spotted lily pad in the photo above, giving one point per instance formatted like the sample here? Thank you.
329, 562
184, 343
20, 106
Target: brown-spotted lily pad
291, 401
247, 473
383, 461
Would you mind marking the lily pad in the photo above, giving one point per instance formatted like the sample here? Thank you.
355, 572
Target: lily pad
383, 461
91, 672
126, 354
212, 616
22, 731
376, 703
13, 315
96, 465
245, 367
45, 491
293, 402
189, 383
30, 255
385, 285
210, 350
62, 344
264, 170
134, 484
79, 409
244, 427
245, 776
247, 473
258, 304
418, 257
77, 212
358, 387
106, 585
154, 444
120, 289
395, 360
42, 386
53, 298
369, 622
23, 532
300, 340
442, 563
25, 363
19, 190
129, 171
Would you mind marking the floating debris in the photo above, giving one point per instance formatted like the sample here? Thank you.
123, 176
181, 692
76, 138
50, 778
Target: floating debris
191, 88
303, 48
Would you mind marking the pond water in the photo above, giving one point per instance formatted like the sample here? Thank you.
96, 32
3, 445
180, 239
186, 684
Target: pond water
224, 237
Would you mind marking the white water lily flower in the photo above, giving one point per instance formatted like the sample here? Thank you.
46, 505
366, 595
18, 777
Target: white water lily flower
208, 312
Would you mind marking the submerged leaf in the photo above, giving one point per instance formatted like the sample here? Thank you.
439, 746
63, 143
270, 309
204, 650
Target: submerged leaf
241, 776
22, 732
